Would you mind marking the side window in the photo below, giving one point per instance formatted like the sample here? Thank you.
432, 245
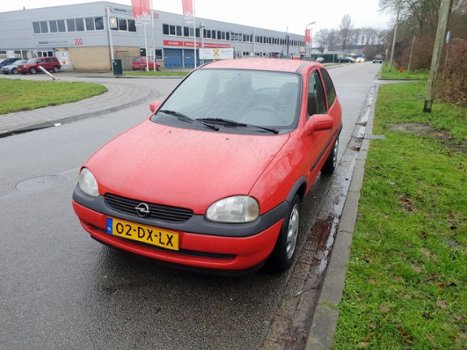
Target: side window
316, 102
331, 93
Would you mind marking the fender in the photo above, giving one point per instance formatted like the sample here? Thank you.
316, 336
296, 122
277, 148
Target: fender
293, 191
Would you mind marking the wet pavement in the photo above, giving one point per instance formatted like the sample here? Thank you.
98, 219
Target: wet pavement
60, 289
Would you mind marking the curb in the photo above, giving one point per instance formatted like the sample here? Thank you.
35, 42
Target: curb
44, 125
324, 323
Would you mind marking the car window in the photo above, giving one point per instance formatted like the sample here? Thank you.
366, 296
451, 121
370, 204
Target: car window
329, 87
316, 101
262, 98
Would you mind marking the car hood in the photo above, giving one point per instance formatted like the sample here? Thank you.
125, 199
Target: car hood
182, 167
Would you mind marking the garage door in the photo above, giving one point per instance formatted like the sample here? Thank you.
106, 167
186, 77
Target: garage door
173, 58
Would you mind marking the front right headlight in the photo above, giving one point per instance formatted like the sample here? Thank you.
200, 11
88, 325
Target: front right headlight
237, 209
87, 182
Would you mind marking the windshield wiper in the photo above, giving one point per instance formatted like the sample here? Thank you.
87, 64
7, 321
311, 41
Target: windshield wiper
227, 122
186, 118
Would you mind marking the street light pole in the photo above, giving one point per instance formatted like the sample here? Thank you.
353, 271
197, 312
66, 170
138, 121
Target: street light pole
306, 44
394, 38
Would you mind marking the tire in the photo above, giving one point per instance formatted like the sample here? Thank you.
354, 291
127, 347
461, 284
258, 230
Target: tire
158, 68
33, 71
331, 163
286, 245
14, 71
55, 69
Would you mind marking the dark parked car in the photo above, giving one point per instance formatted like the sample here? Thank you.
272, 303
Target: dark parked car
12, 68
7, 61
346, 60
378, 59
32, 66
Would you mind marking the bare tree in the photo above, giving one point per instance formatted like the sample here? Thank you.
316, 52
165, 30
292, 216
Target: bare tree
345, 30
322, 37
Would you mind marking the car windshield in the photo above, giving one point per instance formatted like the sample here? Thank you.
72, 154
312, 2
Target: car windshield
259, 98
32, 60
18, 62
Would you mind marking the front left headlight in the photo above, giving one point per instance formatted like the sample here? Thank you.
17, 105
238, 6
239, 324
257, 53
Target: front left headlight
237, 209
87, 183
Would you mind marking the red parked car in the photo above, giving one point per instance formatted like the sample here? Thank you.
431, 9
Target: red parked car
32, 66
215, 177
139, 63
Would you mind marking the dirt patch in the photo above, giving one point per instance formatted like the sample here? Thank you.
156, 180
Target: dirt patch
428, 131
406, 203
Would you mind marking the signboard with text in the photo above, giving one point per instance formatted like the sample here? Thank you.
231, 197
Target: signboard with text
216, 53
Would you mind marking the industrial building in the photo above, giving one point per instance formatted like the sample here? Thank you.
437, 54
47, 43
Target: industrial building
81, 36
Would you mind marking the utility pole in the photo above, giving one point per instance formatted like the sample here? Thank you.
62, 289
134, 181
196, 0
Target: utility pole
394, 38
437, 49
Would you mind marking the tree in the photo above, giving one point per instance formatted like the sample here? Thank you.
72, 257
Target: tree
345, 30
322, 37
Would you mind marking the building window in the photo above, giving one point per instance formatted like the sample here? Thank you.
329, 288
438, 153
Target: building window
70, 23
219, 35
36, 27
44, 28
172, 30
213, 34
186, 31
197, 32
227, 36
165, 29
89, 23
99, 22
61, 25
79, 24
208, 34
131, 25
179, 31
53, 26
191, 32
122, 24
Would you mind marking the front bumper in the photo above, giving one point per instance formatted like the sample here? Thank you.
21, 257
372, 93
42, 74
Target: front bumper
233, 247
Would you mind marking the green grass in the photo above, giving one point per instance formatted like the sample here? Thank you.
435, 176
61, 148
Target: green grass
397, 74
20, 95
405, 288
162, 73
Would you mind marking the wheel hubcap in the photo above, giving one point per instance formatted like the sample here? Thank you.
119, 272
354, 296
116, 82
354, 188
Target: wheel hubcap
292, 231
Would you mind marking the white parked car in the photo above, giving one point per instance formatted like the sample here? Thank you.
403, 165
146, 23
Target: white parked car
12, 68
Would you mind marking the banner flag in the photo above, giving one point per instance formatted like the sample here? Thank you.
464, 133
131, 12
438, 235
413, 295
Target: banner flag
187, 10
308, 37
141, 8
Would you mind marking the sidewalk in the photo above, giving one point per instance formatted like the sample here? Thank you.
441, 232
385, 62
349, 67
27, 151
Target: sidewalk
118, 96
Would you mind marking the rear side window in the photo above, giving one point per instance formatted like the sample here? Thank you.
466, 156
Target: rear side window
316, 101
329, 86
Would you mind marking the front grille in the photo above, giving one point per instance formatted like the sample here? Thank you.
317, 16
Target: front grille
157, 211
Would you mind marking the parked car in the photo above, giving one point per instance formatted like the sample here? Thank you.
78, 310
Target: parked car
32, 65
378, 59
7, 61
345, 60
320, 59
139, 63
12, 68
215, 177
360, 60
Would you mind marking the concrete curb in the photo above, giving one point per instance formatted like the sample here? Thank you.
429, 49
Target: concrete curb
323, 328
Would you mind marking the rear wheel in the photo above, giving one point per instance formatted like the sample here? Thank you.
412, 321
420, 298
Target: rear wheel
55, 69
284, 251
331, 163
33, 71
14, 71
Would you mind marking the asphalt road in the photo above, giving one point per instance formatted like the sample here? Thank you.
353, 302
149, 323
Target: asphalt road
59, 289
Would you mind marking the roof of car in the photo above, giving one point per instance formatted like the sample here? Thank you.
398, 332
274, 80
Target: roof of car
269, 64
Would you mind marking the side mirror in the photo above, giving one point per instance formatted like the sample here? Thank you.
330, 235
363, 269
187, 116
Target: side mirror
154, 106
319, 122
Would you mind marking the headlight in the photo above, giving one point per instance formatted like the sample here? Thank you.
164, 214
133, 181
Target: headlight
236, 209
87, 183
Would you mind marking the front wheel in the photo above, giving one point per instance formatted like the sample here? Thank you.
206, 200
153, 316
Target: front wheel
284, 251
55, 69
331, 163
33, 71
14, 71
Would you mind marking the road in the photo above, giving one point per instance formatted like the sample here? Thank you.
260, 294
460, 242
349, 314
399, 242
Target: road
59, 289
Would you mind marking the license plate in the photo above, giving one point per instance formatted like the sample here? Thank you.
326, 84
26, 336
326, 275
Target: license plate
142, 233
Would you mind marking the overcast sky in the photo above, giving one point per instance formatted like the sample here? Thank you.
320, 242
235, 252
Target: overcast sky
271, 14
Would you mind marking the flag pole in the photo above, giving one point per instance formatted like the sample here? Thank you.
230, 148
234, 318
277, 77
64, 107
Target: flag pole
153, 45
194, 33
146, 47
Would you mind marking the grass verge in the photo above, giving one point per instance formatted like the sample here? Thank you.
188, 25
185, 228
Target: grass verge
397, 74
163, 73
20, 95
405, 287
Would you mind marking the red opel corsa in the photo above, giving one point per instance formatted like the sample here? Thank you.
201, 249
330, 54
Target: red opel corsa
215, 177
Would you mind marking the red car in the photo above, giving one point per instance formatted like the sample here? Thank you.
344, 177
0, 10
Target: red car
215, 177
139, 63
32, 66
